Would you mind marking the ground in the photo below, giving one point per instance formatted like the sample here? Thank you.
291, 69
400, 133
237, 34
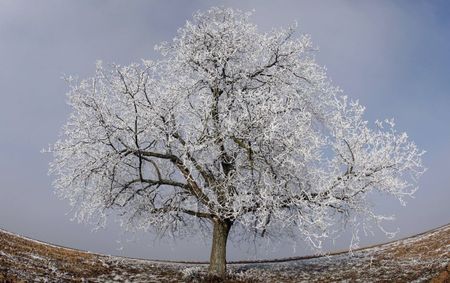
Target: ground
421, 258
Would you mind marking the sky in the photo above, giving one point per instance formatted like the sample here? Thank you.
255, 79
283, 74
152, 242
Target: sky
393, 56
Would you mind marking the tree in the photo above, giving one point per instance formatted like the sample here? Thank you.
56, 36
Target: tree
232, 127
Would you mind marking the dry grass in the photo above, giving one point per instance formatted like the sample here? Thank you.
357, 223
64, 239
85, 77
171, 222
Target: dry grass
425, 257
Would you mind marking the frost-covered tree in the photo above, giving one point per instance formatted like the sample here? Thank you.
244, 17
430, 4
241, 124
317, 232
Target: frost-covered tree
232, 127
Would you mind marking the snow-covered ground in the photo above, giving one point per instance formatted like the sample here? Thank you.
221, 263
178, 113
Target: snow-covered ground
415, 259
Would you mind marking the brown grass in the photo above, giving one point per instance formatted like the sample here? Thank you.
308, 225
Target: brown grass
424, 257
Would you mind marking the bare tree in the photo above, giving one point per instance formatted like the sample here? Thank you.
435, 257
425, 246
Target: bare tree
231, 128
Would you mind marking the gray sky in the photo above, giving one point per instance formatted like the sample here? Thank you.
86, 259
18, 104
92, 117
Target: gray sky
391, 55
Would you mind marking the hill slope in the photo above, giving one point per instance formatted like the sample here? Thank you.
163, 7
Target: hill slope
419, 258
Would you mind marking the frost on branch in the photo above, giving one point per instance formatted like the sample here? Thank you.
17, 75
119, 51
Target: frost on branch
232, 124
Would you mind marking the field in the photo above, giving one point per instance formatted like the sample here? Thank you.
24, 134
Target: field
421, 258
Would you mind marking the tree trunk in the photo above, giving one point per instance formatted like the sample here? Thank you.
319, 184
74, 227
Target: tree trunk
218, 259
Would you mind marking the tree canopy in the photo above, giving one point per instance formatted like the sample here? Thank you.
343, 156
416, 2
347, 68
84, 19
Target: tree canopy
231, 125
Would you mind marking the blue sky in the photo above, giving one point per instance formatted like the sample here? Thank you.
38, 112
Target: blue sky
391, 55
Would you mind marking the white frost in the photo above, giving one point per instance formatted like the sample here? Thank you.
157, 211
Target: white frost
233, 124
